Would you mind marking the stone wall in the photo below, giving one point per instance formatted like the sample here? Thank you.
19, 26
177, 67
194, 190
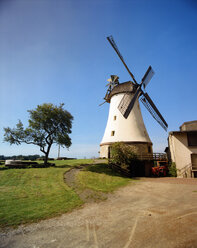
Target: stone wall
138, 147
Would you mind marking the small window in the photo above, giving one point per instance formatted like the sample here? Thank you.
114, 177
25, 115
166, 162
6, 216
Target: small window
192, 138
114, 117
149, 149
112, 133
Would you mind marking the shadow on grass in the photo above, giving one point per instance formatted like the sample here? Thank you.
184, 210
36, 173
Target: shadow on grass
3, 168
63, 166
104, 169
35, 166
42, 166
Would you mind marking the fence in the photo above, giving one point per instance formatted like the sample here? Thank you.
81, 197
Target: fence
154, 157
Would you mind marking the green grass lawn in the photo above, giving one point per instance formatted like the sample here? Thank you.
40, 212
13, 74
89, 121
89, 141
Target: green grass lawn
31, 194
28, 195
72, 162
101, 178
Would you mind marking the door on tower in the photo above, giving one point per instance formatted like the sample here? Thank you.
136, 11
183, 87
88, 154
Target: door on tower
109, 152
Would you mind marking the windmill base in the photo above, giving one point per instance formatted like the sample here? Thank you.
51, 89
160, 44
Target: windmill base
140, 148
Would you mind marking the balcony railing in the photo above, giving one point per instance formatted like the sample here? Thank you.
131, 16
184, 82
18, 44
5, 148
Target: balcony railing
154, 157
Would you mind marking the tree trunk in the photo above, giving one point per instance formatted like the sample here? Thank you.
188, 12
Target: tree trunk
47, 155
46, 159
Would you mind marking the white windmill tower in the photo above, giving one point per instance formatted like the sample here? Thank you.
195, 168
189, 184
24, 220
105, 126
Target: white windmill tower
125, 123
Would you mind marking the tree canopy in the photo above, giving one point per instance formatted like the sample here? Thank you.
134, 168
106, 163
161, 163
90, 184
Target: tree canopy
48, 124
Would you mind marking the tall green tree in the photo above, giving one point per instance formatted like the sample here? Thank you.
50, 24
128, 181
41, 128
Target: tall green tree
48, 125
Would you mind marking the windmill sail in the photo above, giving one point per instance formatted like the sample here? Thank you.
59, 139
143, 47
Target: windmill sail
127, 102
147, 76
113, 44
124, 104
148, 103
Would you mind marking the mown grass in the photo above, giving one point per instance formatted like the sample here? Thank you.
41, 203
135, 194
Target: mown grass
72, 162
101, 178
28, 195
31, 194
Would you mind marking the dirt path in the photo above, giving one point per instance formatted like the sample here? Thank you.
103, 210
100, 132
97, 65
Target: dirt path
171, 180
86, 195
148, 213
69, 177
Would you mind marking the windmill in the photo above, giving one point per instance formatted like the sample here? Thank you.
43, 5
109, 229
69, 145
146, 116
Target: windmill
125, 122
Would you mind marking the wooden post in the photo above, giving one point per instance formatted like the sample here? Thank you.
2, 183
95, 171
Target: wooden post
58, 151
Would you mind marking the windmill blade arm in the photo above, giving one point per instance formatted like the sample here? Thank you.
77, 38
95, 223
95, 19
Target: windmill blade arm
113, 44
148, 103
102, 103
127, 102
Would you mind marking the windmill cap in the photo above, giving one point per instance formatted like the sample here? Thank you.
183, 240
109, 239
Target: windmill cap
121, 88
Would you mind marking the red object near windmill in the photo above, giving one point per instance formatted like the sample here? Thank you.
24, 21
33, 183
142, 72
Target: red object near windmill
161, 170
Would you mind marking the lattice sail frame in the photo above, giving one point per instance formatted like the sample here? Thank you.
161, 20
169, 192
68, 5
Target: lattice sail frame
148, 103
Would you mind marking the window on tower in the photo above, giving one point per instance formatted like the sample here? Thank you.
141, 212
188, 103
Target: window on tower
149, 149
114, 117
112, 133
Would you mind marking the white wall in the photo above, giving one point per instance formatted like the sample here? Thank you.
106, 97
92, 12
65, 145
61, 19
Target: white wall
180, 152
131, 129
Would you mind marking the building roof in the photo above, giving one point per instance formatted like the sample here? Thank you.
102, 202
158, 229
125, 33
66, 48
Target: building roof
189, 122
181, 132
189, 126
121, 88
186, 127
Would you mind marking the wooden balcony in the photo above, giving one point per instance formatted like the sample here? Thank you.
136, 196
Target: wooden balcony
153, 157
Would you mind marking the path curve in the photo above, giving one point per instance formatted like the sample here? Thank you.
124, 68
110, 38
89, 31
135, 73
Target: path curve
86, 195
143, 214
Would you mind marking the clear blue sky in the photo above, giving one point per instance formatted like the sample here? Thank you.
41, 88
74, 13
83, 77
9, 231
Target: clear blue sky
57, 51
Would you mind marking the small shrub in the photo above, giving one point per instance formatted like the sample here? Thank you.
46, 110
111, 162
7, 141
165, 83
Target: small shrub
172, 170
124, 156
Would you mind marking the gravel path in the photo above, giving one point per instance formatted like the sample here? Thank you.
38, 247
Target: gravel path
148, 213
172, 180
